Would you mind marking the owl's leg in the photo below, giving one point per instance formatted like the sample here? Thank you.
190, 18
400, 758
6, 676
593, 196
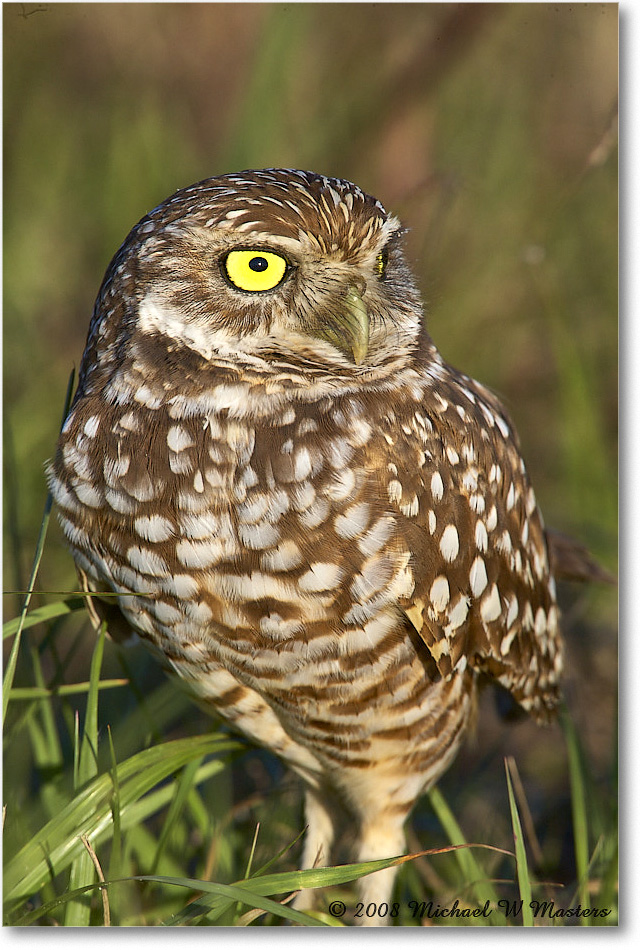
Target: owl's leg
382, 836
317, 843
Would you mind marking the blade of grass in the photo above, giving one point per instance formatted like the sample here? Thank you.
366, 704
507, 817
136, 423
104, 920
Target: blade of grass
70, 689
183, 786
15, 648
89, 750
48, 757
252, 850
523, 877
115, 869
12, 493
139, 840
101, 877
268, 864
188, 912
194, 910
232, 892
44, 524
607, 897
250, 859
578, 808
198, 811
142, 843
54, 846
83, 869
77, 913
472, 872
288, 881
527, 818
215, 898
47, 763
41, 614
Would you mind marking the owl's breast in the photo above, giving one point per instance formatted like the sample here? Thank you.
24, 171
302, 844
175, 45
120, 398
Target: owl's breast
253, 543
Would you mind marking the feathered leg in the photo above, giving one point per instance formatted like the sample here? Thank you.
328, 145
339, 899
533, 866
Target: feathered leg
317, 844
380, 838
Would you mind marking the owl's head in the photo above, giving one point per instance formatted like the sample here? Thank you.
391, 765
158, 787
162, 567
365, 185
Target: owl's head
267, 268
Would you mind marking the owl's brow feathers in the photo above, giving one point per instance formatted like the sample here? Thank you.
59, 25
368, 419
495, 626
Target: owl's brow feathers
335, 213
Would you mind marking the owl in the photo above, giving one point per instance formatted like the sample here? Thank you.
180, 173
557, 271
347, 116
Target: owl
319, 525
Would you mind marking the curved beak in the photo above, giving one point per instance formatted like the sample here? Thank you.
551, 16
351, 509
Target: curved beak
347, 325
357, 325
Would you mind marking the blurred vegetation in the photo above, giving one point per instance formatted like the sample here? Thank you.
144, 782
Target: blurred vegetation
490, 130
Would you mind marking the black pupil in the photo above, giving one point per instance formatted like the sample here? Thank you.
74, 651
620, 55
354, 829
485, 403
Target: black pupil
258, 264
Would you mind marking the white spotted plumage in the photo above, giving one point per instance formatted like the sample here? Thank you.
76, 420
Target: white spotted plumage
337, 528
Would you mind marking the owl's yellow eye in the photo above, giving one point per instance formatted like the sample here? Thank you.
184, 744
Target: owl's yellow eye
380, 266
255, 270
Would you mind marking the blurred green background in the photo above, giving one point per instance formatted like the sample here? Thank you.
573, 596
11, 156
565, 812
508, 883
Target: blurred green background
489, 129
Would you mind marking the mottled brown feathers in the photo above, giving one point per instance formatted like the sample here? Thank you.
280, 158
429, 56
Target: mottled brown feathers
329, 549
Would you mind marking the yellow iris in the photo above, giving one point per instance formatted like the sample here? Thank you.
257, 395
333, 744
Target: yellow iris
255, 270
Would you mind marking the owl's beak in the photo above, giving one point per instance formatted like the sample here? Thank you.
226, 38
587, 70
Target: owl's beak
357, 324
347, 325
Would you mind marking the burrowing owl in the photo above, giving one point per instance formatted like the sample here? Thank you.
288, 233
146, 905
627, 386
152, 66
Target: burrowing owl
336, 528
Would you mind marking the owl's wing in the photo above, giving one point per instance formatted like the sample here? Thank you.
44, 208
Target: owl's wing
484, 594
571, 561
